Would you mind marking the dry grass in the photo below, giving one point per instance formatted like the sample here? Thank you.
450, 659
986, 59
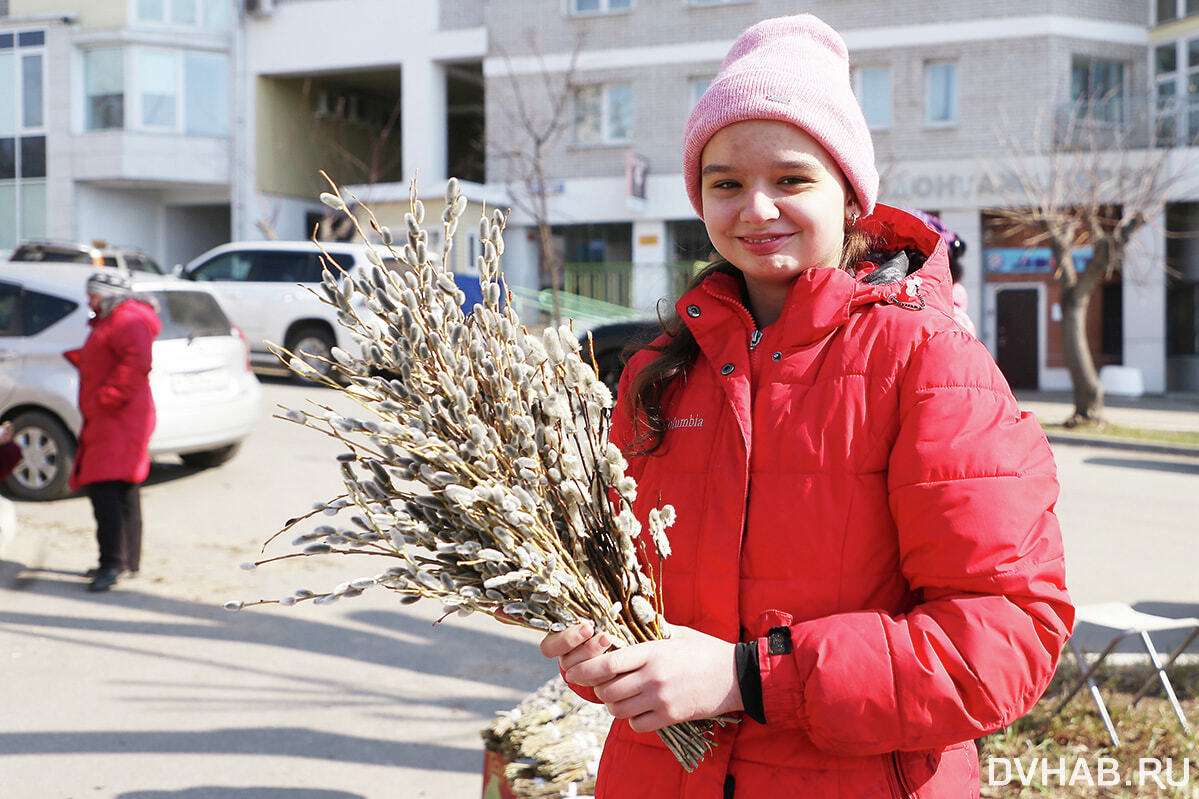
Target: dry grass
1077, 740
1121, 433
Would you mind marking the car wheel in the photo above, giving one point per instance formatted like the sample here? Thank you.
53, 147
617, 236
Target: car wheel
209, 458
48, 451
313, 345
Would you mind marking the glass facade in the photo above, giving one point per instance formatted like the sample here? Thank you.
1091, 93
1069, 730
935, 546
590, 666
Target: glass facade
22, 136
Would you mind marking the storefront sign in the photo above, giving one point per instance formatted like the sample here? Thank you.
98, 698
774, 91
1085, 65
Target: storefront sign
1029, 260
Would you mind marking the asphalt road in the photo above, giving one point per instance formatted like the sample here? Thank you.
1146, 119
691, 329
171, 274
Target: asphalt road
155, 692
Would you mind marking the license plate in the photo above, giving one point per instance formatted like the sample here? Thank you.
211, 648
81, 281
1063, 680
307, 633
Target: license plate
197, 382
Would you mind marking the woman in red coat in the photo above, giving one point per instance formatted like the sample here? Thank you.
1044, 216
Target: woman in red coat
865, 563
118, 418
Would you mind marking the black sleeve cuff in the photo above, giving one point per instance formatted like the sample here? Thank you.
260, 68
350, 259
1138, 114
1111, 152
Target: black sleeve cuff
750, 680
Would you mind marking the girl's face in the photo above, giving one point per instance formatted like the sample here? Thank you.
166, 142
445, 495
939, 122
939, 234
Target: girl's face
774, 205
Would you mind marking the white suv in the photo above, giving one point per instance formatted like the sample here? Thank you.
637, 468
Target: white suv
265, 287
207, 399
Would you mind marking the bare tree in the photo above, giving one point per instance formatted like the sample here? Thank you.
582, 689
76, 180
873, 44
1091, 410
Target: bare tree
1094, 180
538, 115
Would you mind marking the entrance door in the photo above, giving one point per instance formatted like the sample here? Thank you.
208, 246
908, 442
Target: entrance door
1016, 329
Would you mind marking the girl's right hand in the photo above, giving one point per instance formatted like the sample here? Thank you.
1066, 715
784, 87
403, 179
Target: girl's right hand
575, 644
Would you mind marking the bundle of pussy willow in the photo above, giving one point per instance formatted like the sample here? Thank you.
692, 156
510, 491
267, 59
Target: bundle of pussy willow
480, 466
552, 741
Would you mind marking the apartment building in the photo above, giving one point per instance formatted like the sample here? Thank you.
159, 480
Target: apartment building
943, 85
115, 123
137, 149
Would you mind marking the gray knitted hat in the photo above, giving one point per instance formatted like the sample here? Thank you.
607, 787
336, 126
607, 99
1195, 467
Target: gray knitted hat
109, 283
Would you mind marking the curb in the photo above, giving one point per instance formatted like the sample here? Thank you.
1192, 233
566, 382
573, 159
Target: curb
1125, 444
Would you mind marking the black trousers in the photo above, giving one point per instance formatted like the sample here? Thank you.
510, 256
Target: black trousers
117, 507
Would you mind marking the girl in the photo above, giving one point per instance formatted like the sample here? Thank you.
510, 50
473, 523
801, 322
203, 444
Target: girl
866, 564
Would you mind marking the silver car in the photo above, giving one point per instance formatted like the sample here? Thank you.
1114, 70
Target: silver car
207, 399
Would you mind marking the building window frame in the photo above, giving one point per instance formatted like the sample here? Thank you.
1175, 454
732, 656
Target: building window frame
173, 118
23, 137
941, 102
602, 116
1175, 10
185, 14
876, 110
601, 7
1099, 89
1166, 104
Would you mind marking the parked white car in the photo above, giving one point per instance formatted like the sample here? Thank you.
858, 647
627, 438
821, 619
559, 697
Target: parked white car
265, 287
207, 399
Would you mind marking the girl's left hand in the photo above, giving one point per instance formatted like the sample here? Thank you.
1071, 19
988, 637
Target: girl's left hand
690, 675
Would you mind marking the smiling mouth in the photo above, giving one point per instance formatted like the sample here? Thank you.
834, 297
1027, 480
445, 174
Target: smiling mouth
763, 239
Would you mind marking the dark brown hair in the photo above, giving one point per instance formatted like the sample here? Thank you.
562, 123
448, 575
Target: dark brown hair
649, 385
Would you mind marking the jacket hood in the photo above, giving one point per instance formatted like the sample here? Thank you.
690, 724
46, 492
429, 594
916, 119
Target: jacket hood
136, 306
820, 300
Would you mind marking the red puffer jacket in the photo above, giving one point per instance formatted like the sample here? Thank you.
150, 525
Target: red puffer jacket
862, 483
114, 396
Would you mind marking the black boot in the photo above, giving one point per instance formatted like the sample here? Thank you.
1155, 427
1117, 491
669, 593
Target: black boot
104, 579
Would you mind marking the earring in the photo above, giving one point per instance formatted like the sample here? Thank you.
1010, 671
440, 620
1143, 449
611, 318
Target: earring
853, 218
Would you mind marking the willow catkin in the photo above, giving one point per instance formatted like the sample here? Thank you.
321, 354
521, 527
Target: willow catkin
497, 438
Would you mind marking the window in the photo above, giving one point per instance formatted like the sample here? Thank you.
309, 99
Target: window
1165, 75
190, 13
698, 87
872, 85
603, 113
10, 302
1191, 90
228, 266
39, 311
157, 78
941, 93
206, 96
176, 91
104, 88
1167, 10
24, 312
32, 103
22, 136
190, 314
599, 6
1097, 90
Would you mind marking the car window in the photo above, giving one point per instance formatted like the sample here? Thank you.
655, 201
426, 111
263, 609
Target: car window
227, 266
110, 260
345, 262
36, 252
283, 267
190, 314
141, 263
39, 311
10, 302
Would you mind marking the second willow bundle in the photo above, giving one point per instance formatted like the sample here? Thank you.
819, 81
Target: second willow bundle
480, 467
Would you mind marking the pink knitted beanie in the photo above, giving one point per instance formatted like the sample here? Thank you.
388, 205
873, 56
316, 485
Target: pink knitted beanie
793, 69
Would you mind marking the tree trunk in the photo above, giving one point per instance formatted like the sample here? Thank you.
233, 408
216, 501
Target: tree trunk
1088, 391
549, 263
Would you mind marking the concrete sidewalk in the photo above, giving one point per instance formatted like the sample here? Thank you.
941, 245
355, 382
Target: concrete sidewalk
1175, 412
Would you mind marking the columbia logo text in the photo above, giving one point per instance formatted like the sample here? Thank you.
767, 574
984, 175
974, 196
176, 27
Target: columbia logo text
685, 421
